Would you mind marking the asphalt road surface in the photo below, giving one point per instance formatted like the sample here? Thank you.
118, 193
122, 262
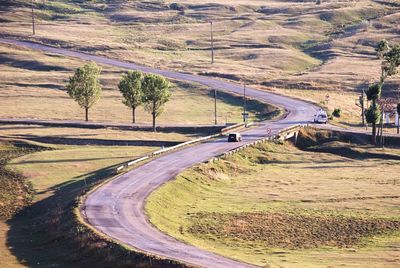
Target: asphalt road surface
117, 208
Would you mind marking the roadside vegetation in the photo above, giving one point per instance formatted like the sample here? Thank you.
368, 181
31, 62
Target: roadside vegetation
84, 86
390, 56
276, 205
153, 91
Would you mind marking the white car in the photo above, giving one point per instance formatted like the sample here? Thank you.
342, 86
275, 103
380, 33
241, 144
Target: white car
321, 117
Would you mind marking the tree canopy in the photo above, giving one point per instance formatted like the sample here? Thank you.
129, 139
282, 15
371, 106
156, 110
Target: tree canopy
372, 114
84, 86
374, 91
382, 48
131, 88
156, 92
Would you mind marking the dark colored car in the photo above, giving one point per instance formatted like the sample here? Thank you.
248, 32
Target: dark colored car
234, 137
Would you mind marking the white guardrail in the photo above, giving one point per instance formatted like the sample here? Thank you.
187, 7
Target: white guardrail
181, 145
283, 134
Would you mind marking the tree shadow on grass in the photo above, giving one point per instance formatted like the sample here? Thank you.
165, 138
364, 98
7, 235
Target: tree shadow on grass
39, 235
41, 85
31, 65
352, 153
99, 142
46, 234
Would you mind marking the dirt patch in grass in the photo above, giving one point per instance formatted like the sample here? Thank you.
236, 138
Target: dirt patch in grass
291, 230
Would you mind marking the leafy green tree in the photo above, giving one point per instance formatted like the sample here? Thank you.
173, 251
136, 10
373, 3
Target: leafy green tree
372, 114
156, 92
382, 48
373, 94
84, 86
131, 88
390, 62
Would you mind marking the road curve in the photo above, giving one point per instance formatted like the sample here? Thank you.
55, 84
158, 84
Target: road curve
117, 208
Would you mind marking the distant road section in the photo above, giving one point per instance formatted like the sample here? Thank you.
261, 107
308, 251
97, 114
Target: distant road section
117, 208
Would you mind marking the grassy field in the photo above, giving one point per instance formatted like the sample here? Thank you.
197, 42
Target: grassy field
50, 170
33, 86
56, 173
290, 47
328, 204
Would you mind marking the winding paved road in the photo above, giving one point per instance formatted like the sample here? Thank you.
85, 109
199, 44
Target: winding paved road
117, 208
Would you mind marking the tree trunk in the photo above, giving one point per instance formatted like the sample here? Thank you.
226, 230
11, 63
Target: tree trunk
373, 138
134, 115
362, 109
87, 114
381, 137
154, 121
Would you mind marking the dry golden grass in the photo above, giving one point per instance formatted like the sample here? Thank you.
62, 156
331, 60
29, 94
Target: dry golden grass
295, 48
279, 183
290, 46
33, 86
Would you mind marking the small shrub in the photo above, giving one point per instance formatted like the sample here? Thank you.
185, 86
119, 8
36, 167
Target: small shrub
177, 6
337, 112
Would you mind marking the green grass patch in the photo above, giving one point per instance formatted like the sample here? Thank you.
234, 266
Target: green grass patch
49, 171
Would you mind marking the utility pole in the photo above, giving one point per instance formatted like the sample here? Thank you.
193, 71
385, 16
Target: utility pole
212, 43
33, 18
215, 107
244, 102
